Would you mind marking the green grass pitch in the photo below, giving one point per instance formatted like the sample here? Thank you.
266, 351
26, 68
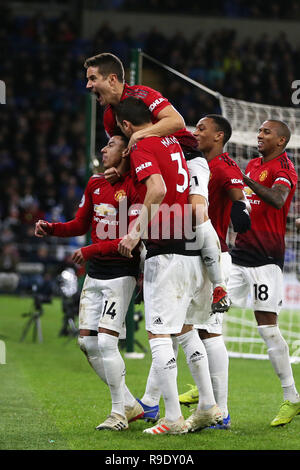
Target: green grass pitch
52, 399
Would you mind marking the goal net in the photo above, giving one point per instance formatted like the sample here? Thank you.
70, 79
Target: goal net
240, 329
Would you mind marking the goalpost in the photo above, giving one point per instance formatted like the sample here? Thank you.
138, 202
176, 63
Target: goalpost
240, 329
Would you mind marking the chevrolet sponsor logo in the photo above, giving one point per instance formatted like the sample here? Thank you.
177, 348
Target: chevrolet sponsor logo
105, 209
248, 191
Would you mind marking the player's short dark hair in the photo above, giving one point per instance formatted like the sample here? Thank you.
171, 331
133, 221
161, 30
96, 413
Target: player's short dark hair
107, 63
117, 131
222, 124
133, 110
283, 130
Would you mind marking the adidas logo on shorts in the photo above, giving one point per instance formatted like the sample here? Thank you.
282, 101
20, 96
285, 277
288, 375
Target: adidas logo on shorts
158, 321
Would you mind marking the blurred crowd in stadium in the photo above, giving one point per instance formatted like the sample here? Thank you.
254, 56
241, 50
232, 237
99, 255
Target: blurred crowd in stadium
289, 9
42, 127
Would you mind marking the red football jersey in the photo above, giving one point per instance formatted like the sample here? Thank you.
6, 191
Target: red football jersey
108, 210
224, 175
264, 242
155, 102
164, 156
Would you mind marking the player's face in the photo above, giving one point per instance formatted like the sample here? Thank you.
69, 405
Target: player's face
267, 138
99, 85
205, 132
112, 152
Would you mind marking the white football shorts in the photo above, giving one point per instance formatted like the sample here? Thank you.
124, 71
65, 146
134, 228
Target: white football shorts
170, 284
263, 284
199, 176
199, 313
104, 303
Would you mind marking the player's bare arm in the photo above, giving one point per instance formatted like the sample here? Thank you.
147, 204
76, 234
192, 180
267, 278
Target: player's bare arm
275, 196
169, 121
156, 191
199, 209
237, 194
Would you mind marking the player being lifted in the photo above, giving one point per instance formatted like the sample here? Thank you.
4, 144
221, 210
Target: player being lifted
173, 275
258, 255
106, 78
111, 278
224, 191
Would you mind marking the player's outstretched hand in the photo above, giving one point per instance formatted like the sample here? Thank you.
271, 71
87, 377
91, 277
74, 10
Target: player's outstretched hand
77, 257
112, 175
42, 229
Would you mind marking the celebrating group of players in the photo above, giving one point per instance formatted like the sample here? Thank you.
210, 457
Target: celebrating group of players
163, 206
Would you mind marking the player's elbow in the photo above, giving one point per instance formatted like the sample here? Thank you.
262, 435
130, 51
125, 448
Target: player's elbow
278, 196
179, 122
160, 193
278, 204
175, 120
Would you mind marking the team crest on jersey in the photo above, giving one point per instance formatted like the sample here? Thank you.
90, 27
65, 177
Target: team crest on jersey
263, 175
119, 195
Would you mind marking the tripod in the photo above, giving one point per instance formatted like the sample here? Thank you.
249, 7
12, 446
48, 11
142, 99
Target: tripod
35, 321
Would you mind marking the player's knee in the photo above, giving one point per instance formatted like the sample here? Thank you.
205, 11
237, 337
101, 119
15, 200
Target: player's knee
88, 345
107, 343
273, 339
81, 344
